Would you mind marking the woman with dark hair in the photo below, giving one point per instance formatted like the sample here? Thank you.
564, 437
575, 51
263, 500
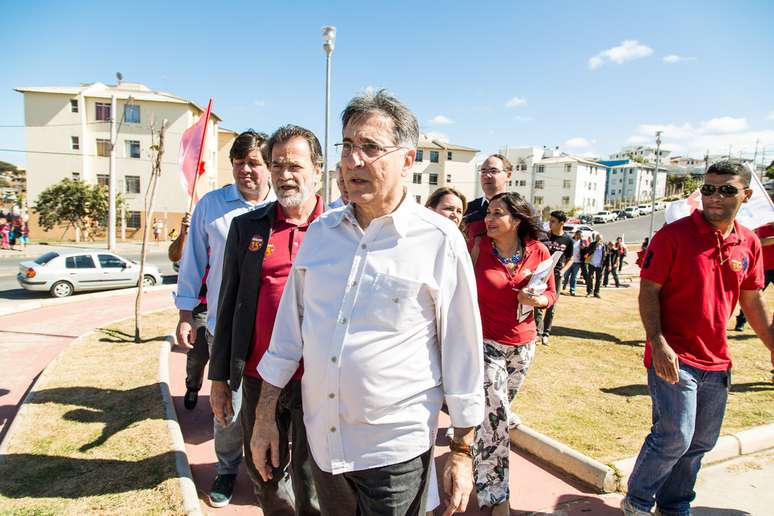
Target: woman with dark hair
504, 260
448, 202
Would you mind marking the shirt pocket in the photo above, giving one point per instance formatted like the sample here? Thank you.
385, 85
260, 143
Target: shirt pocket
394, 303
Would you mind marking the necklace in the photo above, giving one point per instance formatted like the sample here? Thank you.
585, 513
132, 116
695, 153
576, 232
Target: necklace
508, 262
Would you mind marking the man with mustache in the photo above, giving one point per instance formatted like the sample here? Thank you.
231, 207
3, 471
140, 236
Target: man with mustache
206, 241
260, 250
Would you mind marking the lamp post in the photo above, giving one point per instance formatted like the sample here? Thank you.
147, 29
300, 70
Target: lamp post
329, 39
653, 185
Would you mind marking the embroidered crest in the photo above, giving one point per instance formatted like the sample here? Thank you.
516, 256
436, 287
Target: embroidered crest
255, 243
269, 250
736, 265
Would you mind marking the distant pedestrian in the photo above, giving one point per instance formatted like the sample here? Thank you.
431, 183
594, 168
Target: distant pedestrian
621, 248
611, 262
641, 252
158, 227
556, 242
571, 274
596, 253
5, 232
25, 234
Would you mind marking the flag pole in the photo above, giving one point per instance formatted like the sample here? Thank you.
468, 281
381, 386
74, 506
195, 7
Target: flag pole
199, 159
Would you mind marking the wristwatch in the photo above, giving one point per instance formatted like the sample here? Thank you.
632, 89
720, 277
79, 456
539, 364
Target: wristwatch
461, 447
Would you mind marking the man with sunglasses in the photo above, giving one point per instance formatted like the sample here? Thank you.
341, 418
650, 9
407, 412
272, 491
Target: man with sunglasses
495, 172
381, 306
693, 273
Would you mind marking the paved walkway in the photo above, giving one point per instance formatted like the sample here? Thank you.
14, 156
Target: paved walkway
30, 340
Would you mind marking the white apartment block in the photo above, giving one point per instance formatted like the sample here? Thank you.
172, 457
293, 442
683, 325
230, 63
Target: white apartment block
632, 183
642, 151
440, 164
68, 133
522, 159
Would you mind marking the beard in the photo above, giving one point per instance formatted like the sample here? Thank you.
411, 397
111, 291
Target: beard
297, 198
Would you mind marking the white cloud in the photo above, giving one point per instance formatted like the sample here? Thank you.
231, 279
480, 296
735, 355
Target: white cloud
628, 50
724, 124
577, 143
441, 120
516, 102
434, 135
674, 58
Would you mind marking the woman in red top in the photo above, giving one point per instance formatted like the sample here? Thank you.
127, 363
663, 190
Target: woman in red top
505, 259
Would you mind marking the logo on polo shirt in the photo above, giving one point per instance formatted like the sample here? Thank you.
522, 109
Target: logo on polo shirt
255, 243
739, 265
269, 250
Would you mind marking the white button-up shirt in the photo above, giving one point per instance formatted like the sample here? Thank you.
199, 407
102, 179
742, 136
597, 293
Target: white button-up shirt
388, 326
206, 244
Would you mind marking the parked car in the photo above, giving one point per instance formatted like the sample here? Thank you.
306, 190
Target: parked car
604, 216
659, 206
62, 274
632, 211
587, 232
585, 218
644, 209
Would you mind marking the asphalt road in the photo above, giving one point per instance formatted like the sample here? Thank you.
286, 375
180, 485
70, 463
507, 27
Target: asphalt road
10, 289
632, 230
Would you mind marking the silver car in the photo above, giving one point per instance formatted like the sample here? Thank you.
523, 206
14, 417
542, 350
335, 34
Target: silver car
64, 273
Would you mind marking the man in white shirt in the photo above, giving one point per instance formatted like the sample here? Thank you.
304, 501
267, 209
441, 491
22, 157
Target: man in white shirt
381, 305
205, 245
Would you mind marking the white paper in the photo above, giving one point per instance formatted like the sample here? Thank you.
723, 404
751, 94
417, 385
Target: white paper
538, 283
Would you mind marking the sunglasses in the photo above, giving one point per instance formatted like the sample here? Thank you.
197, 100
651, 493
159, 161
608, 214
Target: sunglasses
725, 190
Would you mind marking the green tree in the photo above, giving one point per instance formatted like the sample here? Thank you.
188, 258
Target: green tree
74, 203
770, 171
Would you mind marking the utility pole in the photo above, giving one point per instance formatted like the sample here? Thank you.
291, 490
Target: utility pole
653, 185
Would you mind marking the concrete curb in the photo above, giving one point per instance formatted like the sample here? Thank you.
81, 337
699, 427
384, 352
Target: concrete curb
191, 504
614, 477
25, 306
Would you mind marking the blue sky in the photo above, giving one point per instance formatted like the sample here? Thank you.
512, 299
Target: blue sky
588, 76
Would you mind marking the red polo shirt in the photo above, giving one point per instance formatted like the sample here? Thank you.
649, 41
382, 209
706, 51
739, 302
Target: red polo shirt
768, 250
497, 299
284, 243
701, 276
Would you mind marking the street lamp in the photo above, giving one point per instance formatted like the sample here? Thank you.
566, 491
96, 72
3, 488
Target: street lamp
653, 185
329, 39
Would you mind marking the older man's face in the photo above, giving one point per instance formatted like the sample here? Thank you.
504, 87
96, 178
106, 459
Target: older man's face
372, 181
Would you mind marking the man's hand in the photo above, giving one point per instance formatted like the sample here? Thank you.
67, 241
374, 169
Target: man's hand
457, 482
184, 333
264, 446
665, 360
220, 401
185, 222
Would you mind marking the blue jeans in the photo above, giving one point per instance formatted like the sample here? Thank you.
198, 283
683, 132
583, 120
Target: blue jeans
228, 439
686, 424
572, 275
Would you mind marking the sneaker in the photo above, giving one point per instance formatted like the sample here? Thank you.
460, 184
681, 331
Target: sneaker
190, 399
739, 327
544, 340
597, 296
222, 490
572, 293
630, 510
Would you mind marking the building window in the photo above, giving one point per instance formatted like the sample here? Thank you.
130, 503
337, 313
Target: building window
132, 114
103, 180
521, 166
523, 182
75, 142
133, 219
568, 167
103, 147
418, 198
132, 184
538, 200
76, 176
566, 183
102, 112
132, 149
73, 105
433, 156
417, 179
420, 155
566, 200
539, 184
448, 178
433, 178
449, 155
541, 169
510, 183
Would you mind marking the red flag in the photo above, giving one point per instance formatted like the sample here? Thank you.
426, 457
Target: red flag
190, 157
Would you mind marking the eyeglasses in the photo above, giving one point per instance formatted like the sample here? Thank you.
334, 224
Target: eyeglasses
490, 171
371, 150
725, 190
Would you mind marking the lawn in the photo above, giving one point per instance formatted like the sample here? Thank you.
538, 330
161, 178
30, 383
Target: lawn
588, 388
94, 439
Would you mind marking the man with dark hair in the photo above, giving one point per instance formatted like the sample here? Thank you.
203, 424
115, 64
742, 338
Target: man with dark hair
260, 250
494, 174
693, 273
557, 242
206, 242
381, 305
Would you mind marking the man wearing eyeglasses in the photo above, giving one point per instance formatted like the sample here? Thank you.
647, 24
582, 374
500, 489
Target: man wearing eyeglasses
381, 306
495, 172
694, 272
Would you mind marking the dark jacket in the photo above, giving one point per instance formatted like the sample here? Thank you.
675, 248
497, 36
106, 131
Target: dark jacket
239, 290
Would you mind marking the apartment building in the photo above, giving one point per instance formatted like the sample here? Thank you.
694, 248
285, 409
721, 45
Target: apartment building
69, 131
629, 182
642, 152
441, 164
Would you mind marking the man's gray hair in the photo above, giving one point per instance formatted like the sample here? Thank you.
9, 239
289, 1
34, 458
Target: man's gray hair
405, 129
286, 133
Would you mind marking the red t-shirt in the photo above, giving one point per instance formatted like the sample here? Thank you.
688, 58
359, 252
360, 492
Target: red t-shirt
698, 292
768, 250
283, 246
497, 299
